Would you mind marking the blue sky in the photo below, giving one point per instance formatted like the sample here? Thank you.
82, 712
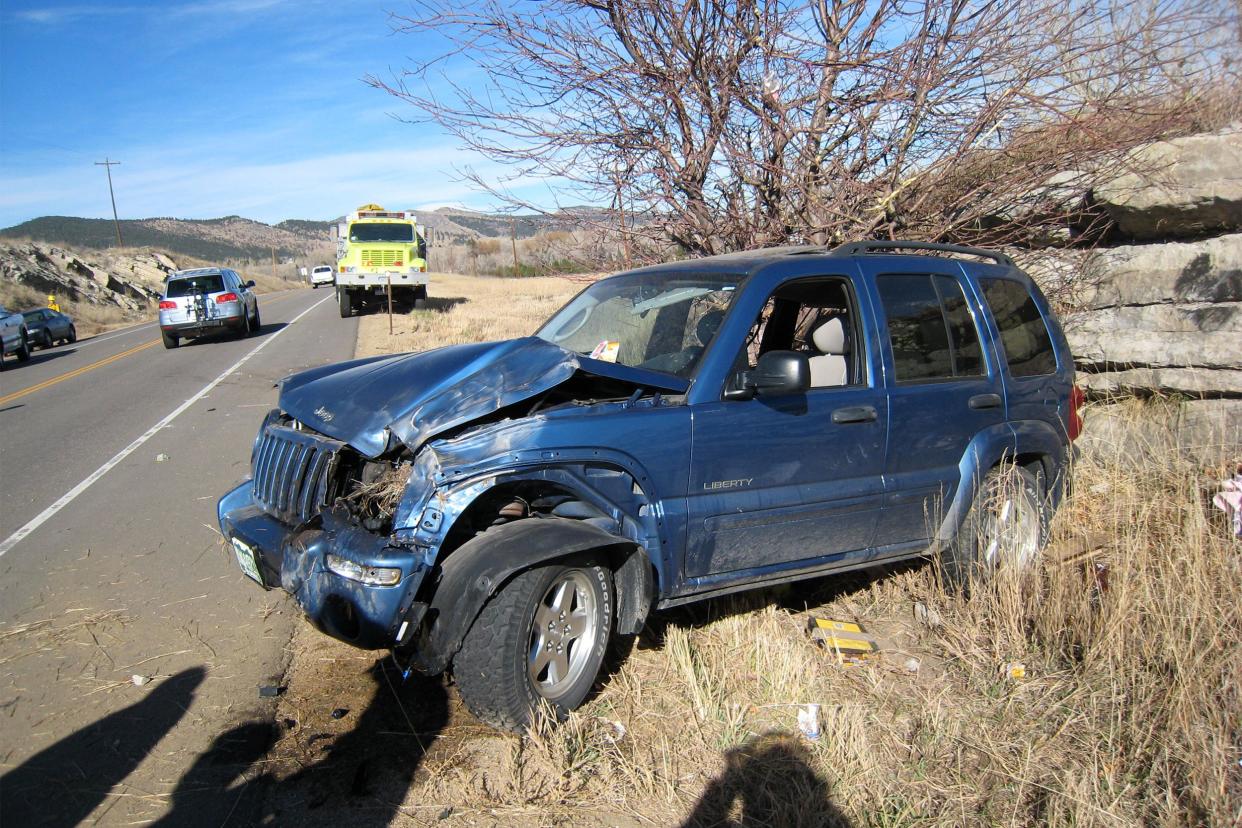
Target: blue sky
216, 107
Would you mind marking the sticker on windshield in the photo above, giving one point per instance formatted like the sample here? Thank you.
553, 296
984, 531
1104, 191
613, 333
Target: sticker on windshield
606, 351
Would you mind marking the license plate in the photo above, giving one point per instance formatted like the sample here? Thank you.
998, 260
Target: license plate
247, 560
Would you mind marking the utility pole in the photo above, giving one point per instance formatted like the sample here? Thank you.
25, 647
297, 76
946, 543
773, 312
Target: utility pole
513, 241
108, 164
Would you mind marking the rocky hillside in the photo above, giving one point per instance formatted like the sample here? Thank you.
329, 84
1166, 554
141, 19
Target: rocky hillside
126, 281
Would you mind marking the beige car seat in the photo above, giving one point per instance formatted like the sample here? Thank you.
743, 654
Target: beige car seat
831, 367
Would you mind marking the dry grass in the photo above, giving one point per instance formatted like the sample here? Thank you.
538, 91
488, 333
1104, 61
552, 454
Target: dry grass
1130, 711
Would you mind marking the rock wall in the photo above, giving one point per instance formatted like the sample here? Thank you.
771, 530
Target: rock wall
1160, 314
130, 282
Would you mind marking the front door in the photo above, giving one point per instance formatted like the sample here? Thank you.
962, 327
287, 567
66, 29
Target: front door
796, 481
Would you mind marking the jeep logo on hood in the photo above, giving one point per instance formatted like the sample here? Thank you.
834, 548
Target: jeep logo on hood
324, 414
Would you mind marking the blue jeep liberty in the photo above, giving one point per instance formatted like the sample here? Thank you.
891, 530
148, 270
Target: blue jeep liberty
674, 433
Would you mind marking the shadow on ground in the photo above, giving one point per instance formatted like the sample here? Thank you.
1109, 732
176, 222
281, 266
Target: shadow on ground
64, 783
767, 781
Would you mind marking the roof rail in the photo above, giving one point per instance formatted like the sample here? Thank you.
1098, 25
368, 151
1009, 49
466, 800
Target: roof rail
877, 245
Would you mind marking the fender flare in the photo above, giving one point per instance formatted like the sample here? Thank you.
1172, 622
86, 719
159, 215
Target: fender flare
473, 573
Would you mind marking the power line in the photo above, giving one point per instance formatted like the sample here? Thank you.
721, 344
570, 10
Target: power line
108, 164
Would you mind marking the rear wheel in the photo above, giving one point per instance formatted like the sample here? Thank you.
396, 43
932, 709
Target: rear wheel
1006, 528
541, 638
170, 340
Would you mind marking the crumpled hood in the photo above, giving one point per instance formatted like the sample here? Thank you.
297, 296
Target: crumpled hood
415, 396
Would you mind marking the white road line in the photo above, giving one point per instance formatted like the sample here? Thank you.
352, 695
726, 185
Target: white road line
65, 499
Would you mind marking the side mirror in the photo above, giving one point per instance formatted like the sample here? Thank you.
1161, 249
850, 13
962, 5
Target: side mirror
778, 373
249, 284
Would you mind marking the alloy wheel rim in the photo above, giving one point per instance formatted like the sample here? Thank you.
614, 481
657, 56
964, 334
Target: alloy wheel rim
563, 634
1010, 532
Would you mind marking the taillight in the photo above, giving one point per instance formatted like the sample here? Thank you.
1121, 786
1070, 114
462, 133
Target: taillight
226, 297
1077, 398
166, 305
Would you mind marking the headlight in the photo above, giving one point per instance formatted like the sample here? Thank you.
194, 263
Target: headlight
373, 575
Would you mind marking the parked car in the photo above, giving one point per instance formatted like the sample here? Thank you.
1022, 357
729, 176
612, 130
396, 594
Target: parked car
46, 327
13, 336
322, 275
674, 433
205, 301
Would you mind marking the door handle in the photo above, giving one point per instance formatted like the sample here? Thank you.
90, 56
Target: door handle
979, 401
855, 414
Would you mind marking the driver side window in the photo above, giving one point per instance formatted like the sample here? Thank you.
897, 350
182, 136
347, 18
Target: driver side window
817, 317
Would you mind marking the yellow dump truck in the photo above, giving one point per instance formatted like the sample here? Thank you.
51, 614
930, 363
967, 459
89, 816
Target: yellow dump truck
376, 249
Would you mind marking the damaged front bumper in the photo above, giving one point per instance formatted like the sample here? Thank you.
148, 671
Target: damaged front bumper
366, 615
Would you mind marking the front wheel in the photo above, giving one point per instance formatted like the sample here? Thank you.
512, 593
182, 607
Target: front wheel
346, 306
1006, 528
541, 638
73, 334
47, 338
23, 350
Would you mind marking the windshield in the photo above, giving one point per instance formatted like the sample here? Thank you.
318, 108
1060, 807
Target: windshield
213, 283
322, 270
659, 321
375, 232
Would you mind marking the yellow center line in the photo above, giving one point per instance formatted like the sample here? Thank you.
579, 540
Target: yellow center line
77, 372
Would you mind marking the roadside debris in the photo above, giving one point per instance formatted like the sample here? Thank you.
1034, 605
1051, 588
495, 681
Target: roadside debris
844, 638
808, 721
1229, 501
927, 616
139, 680
340, 713
161, 457
1014, 671
912, 665
269, 691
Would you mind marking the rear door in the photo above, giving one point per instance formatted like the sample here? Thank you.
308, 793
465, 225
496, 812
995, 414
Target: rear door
943, 387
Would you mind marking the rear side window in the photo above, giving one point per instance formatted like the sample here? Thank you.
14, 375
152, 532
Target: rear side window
1024, 334
930, 329
211, 283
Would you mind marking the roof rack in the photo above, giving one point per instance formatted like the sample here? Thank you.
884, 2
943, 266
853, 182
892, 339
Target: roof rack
877, 245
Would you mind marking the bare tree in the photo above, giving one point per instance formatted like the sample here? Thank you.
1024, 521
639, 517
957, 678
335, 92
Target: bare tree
731, 124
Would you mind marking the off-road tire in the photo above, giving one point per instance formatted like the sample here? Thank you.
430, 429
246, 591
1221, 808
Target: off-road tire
170, 340
346, 305
491, 669
1010, 500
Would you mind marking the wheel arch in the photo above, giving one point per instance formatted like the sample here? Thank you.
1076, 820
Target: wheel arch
479, 568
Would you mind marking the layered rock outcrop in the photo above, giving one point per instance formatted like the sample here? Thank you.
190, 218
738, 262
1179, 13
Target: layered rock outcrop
130, 282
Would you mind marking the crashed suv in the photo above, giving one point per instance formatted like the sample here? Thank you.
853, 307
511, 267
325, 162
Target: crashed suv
674, 433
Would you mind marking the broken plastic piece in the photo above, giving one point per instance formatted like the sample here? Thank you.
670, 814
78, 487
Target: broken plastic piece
845, 638
340, 713
808, 721
139, 680
269, 691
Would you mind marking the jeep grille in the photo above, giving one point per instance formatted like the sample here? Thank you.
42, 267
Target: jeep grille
293, 472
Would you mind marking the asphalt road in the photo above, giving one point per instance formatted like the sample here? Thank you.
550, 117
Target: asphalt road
113, 452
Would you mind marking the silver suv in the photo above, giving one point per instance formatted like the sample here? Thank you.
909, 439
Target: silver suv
205, 301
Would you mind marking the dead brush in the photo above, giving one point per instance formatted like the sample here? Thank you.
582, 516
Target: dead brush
378, 498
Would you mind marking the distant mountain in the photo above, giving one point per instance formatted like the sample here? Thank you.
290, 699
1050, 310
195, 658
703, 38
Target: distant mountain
233, 239
228, 239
